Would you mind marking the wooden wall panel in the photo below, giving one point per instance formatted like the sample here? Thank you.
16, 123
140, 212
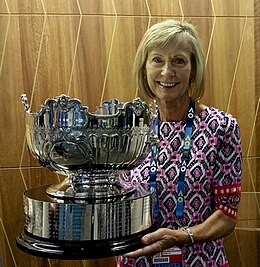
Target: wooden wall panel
199, 8
232, 245
11, 83
11, 188
231, 7
165, 8
222, 50
85, 48
24, 6
4, 24
119, 83
242, 90
3, 7
5, 252
248, 217
61, 6
131, 7
253, 164
56, 58
248, 239
30, 29
92, 59
104, 7
249, 172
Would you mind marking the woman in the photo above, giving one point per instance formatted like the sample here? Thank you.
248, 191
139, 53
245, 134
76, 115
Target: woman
198, 168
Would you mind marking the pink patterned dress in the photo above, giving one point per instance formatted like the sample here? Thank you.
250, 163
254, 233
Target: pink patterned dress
212, 181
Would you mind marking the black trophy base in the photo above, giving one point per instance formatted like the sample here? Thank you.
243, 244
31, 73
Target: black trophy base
78, 250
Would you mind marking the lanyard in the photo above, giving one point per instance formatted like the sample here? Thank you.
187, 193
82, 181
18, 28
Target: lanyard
153, 169
184, 162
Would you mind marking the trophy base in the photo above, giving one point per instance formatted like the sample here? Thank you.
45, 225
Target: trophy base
85, 229
79, 250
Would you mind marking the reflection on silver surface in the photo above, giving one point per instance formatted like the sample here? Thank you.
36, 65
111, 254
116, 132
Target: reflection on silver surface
90, 148
46, 217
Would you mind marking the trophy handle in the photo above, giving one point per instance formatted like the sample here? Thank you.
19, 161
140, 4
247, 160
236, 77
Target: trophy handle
25, 103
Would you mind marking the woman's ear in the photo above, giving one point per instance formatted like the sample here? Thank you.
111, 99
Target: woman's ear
144, 73
192, 76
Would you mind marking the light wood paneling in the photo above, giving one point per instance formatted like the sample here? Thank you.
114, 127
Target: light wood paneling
4, 20
61, 6
92, 59
24, 6
5, 252
104, 7
11, 190
131, 7
3, 7
248, 184
253, 165
165, 8
231, 244
254, 149
250, 7
251, 214
256, 6
29, 35
242, 90
56, 58
230, 7
119, 83
11, 83
250, 240
199, 8
223, 58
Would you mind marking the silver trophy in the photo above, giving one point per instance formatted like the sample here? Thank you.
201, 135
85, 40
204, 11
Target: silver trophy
93, 212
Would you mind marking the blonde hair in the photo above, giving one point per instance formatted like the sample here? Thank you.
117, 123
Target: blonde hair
161, 34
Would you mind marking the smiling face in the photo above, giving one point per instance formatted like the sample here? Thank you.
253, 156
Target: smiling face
168, 70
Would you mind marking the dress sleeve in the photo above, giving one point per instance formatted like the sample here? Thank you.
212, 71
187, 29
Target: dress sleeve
228, 170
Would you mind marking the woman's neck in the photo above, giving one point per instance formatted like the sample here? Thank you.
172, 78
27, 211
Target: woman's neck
173, 110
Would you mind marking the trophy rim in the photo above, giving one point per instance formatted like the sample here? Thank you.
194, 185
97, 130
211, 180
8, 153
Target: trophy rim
55, 99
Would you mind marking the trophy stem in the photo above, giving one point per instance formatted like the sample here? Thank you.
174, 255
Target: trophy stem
90, 185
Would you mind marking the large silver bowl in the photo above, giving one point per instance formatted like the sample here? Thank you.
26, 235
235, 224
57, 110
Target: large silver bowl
90, 148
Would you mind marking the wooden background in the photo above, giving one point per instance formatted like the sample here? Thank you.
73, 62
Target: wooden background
85, 48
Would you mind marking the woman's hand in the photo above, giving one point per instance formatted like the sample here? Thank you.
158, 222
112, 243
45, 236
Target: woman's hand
216, 226
158, 241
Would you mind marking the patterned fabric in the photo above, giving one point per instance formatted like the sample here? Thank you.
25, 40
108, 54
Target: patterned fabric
212, 180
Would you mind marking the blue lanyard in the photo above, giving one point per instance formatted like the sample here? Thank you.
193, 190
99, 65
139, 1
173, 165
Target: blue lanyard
153, 169
184, 162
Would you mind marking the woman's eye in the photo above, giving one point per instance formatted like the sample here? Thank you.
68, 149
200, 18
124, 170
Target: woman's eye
157, 60
179, 61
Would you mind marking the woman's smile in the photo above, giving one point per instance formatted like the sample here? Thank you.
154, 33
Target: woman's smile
168, 85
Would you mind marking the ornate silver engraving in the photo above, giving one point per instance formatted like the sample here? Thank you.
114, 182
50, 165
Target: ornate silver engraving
90, 148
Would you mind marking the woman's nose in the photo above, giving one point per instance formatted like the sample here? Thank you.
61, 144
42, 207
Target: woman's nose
168, 70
